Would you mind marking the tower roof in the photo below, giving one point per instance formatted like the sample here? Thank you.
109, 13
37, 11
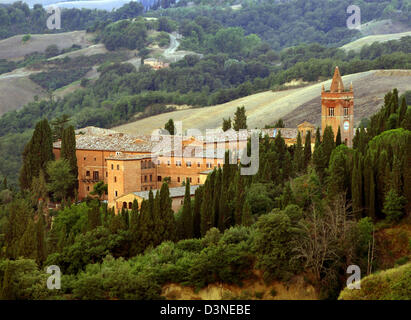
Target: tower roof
337, 84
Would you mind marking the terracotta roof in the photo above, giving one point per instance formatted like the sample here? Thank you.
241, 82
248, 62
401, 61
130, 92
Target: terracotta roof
286, 133
337, 83
174, 192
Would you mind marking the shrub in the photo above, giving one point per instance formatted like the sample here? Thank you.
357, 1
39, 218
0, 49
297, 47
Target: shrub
274, 245
26, 38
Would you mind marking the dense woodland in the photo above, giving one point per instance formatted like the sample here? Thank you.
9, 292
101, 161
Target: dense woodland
303, 213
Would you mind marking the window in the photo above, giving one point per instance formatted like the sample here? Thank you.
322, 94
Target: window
88, 188
178, 179
87, 173
145, 188
159, 178
118, 167
112, 167
181, 201
145, 178
115, 179
115, 193
85, 158
178, 163
151, 178
188, 164
168, 162
331, 112
125, 205
191, 180
130, 205
95, 159
198, 180
198, 164
106, 174
208, 164
346, 110
95, 175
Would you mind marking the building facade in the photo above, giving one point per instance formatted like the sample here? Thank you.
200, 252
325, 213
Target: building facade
337, 109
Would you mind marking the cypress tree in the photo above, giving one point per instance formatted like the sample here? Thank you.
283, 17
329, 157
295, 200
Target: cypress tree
338, 137
317, 138
217, 194
246, 219
298, 162
37, 153
371, 204
158, 223
402, 111
169, 126
5, 186
197, 212
328, 144
356, 186
226, 124
240, 119
307, 149
28, 242
206, 208
7, 288
187, 215
94, 217
167, 214
41, 241
144, 230
239, 199
407, 174
68, 151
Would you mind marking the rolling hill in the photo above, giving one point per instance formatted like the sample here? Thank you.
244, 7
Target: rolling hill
368, 40
15, 48
293, 105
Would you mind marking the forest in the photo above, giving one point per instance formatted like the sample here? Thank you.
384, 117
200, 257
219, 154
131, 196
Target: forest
304, 212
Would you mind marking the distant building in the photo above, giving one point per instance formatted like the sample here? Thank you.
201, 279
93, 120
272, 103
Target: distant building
155, 63
131, 166
337, 109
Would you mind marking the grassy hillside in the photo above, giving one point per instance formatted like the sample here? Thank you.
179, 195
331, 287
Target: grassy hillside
15, 48
293, 105
16, 89
392, 284
358, 44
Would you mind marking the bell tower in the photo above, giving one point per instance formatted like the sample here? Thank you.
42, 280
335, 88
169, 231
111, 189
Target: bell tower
337, 109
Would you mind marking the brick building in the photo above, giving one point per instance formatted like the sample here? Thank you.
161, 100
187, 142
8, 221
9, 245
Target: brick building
337, 109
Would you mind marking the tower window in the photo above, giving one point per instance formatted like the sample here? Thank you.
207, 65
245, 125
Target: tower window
331, 112
346, 110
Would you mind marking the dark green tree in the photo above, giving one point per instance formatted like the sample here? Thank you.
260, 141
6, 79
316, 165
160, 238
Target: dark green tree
68, 152
169, 126
240, 119
298, 161
187, 215
197, 212
338, 137
37, 153
307, 149
226, 124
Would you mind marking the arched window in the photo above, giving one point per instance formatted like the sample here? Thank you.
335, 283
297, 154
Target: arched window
130, 205
125, 205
